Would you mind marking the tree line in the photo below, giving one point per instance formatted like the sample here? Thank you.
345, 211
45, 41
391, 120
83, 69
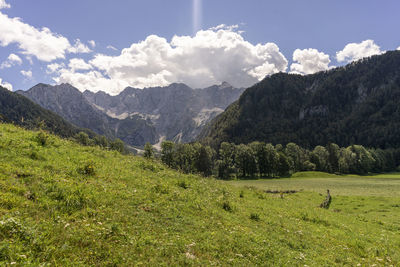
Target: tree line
259, 159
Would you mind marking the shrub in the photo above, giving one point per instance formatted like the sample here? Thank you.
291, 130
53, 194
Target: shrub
36, 156
183, 184
88, 169
42, 138
12, 228
227, 206
255, 217
148, 151
118, 145
82, 138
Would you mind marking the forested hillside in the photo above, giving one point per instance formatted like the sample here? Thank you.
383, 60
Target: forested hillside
355, 104
17, 109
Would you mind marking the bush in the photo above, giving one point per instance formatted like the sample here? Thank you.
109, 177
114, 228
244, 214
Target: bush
83, 138
118, 145
148, 151
88, 169
227, 206
42, 138
183, 184
255, 217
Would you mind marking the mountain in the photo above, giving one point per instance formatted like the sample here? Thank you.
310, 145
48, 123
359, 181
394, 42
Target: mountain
177, 111
354, 104
71, 104
17, 109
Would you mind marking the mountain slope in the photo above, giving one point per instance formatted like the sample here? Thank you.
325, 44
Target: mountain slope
177, 111
355, 104
68, 205
21, 111
69, 102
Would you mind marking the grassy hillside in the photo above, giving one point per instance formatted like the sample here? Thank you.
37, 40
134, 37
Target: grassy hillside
65, 204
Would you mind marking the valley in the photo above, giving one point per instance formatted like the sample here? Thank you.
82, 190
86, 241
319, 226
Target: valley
63, 203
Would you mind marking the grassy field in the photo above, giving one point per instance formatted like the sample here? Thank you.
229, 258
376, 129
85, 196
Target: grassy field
385, 185
63, 204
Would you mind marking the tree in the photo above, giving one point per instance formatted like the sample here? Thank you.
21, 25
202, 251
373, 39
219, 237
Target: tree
226, 164
204, 163
118, 145
148, 151
320, 157
364, 161
167, 153
272, 160
82, 138
184, 157
283, 167
333, 160
295, 156
101, 141
246, 160
260, 152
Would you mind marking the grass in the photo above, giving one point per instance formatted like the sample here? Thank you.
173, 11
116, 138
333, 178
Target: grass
64, 204
384, 185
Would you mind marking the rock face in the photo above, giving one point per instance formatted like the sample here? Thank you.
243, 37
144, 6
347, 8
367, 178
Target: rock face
71, 104
176, 112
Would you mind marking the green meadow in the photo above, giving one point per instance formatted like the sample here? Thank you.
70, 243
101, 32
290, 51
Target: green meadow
63, 204
383, 185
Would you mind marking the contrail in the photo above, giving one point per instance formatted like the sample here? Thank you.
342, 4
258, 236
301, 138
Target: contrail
197, 16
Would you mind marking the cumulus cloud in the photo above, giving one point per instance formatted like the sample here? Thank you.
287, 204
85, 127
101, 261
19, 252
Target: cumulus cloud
54, 67
79, 47
210, 57
92, 43
27, 73
12, 60
398, 48
92, 80
6, 85
308, 61
41, 43
112, 48
78, 64
3, 4
356, 51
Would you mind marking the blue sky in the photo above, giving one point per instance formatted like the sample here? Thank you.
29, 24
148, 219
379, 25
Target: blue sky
324, 26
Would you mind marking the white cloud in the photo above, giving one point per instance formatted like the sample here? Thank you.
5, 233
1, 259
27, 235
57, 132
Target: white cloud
43, 44
79, 47
356, 51
210, 57
308, 61
92, 80
12, 60
398, 48
112, 48
54, 67
79, 64
92, 43
3, 4
27, 73
6, 85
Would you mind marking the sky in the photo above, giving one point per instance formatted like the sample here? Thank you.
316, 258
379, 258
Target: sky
109, 45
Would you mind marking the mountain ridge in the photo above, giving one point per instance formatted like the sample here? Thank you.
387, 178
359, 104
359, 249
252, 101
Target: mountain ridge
354, 104
136, 116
